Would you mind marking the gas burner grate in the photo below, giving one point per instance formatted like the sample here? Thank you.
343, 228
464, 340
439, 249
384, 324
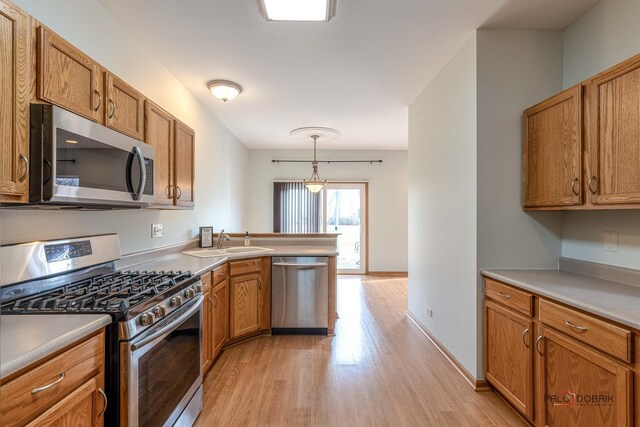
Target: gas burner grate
111, 293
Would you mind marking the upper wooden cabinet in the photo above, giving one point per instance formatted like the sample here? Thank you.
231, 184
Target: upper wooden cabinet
613, 98
184, 164
159, 134
124, 110
67, 77
552, 151
14, 103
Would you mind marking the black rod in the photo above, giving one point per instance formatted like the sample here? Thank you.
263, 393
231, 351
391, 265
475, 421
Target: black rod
326, 161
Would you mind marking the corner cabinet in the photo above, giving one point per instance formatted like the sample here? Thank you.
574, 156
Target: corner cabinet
552, 151
599, 118
14, 103
249, 293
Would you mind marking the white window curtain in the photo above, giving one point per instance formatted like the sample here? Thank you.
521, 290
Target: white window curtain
296, 209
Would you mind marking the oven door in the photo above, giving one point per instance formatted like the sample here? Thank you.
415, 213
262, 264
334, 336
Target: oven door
165, 369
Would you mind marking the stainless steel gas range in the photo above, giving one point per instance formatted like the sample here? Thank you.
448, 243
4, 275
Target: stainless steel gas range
153, 376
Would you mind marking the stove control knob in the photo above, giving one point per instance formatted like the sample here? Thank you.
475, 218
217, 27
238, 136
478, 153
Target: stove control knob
197, 289
147, 319
175, 301
189, 293
160, 311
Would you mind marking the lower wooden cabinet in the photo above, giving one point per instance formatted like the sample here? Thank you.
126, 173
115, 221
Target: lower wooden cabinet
509, 356
207, 324
245, 310
580, 387
220, 296
215, 318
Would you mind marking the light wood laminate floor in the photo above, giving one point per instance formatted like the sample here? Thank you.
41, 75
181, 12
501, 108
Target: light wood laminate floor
379, 370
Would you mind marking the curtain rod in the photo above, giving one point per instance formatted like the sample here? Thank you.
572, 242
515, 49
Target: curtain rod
326, 161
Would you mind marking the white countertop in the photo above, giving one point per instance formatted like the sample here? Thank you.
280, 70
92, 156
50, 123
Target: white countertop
25, 339
611, 300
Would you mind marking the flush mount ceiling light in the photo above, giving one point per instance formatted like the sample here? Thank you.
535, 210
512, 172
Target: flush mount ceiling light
224, 90
297, 10
315, 184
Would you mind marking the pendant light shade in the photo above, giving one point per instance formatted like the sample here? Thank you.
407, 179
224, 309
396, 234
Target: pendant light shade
314, 184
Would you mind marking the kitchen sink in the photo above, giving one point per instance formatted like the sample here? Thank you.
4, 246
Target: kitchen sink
240, 250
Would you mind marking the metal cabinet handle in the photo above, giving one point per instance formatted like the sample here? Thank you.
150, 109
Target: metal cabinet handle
26, 167
97, 107
48, 386
106, 402
179, 190
212, 303
505, 296
526, 331
113, 109
538, 345
576, 327
260, 284
575, 187
170, 191
592, 181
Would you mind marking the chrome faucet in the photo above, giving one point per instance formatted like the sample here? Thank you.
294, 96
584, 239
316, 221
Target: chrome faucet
222, 237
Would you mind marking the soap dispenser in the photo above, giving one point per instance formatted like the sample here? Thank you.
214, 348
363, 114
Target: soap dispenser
247, 241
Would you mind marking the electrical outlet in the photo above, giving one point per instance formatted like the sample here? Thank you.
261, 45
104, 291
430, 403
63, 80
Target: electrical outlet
429, 312
156, 231
611, 239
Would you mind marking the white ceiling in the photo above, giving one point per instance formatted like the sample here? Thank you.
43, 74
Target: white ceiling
357, 73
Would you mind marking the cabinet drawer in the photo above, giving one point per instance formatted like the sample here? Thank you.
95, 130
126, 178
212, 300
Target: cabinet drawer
206, 282
220, 274
21, 399
511, 297
600, 334
245, 266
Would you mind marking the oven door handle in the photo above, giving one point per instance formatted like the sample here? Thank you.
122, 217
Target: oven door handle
170, 327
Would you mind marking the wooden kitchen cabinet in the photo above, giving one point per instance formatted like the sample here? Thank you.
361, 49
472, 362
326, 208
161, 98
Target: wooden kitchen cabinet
159, 134
571, 376
509, 355
184, 164
552, 151
124, 108
207, 323
245, 294
220, 295
67, 77
15, 67
613, 98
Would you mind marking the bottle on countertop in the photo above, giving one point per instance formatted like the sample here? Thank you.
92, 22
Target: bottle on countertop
247, 241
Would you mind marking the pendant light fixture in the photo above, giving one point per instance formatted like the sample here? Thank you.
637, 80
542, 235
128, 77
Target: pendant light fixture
314, 184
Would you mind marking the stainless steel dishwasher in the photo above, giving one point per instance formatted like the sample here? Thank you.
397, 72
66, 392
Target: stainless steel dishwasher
299, 295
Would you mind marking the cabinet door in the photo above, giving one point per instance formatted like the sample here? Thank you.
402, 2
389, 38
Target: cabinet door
184, 164
220, 316
67, 77
552, 151
14, 103
614, 134
85, 406
207, 332
158, 132
579, 387
245, 293
509, 355
124, 110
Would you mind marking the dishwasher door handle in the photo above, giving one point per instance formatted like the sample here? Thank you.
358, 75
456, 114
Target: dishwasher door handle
295, 265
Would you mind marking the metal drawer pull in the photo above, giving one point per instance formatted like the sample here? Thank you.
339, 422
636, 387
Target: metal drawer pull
575, 187
505, 296
97, 107
526, 331
593, 180
48, 386
106, 402
538, 345
26, 167
576, 327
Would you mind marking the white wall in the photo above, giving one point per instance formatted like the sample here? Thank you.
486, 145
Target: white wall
387, 195
607, 34
221, 159
516, 69
442, 206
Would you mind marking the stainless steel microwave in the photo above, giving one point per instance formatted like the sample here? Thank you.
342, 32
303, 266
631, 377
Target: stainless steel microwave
76, 162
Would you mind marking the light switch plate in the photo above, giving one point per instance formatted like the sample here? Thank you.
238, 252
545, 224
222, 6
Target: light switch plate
611, 240
156, 231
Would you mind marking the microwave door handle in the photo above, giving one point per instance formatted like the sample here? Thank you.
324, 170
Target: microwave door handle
143, 173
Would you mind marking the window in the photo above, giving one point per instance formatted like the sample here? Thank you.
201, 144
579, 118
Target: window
296, 209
